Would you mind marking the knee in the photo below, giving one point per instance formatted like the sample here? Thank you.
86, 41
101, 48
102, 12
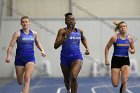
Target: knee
115, 85
73, 78
26, 79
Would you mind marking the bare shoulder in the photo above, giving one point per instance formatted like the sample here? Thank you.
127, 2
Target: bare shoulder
34, 33
131, 38
114, 38
16, 33
61, 30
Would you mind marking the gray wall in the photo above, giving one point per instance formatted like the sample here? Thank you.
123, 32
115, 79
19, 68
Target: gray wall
57, 8
96, 31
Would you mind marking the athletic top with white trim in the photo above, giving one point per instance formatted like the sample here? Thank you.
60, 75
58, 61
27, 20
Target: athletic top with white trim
25, 44
121, 47
70, 46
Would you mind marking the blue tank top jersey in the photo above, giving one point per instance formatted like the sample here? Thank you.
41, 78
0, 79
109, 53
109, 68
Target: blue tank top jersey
121, 47
25, 44
70, 46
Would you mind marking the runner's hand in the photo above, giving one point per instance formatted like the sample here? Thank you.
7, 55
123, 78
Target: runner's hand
87, 52
8, 59
107, 63
43, 54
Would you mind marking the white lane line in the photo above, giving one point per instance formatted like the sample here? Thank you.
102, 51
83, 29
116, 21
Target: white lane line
93, 88
129, 91
100, 86
59, 89
37, 84
80, 85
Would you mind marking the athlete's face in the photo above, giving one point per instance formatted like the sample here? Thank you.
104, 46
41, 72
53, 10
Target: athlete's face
123, 28
70, 21
25, 23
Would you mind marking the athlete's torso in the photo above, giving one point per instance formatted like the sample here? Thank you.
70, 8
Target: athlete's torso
25, 43
121, 46
71, 46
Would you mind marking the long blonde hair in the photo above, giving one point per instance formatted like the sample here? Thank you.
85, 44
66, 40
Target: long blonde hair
117, 25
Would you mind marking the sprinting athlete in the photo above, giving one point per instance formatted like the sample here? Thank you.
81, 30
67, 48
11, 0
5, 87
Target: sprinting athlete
24, 59
71, 57
120, 63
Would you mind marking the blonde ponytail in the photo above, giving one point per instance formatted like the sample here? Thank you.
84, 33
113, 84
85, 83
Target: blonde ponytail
117, 24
